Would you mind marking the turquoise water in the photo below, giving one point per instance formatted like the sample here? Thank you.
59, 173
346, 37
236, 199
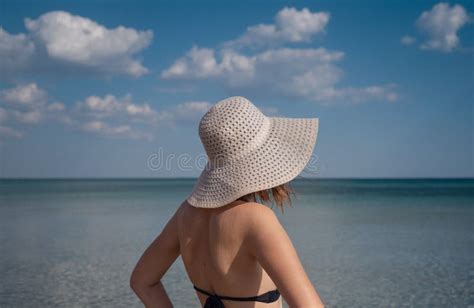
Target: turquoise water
364, 243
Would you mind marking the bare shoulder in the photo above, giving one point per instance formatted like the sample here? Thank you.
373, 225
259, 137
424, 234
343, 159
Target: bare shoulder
183, 211
256, 211
257, 216
184, 208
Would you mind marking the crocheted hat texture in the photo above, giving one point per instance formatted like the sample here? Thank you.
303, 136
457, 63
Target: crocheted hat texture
248, 151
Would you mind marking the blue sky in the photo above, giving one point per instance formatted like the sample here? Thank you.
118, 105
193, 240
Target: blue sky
96, 88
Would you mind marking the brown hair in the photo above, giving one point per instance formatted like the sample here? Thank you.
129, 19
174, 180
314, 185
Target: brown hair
278, 195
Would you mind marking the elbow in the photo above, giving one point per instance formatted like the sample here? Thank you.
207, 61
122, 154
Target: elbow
135, 282
139, 283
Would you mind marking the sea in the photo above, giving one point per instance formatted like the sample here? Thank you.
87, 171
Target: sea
362, 242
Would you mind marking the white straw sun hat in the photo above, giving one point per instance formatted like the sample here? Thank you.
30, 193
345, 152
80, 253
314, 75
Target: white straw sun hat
248, 151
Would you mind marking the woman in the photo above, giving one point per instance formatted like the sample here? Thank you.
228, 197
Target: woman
235, 251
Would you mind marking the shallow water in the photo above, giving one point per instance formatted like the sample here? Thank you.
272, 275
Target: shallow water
364, 243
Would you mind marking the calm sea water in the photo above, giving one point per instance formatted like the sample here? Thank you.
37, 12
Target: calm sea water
364, 243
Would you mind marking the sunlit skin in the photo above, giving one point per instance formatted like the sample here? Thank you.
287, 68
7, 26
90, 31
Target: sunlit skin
240, 249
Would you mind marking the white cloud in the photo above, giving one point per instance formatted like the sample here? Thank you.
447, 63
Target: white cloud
136, 110
407, 40
441, 25
98, 126
29, 95
108, 116
28, 117
291, 26
200, 62
8, 132
118, 131
308, 73
16, 51
110, 105
233, 64
59, 39
116, 117
26, 104
190, 111
56, 107
187, 112
112, 116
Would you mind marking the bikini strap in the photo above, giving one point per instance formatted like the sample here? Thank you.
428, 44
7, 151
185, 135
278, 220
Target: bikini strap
203, 291
267, 297
213, 300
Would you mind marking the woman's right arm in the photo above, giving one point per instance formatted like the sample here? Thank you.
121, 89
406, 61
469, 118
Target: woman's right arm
274, 250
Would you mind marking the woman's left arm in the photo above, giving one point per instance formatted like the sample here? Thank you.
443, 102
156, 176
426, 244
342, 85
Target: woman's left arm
154, 263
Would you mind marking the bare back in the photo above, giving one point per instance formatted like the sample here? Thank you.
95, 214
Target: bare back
217, 256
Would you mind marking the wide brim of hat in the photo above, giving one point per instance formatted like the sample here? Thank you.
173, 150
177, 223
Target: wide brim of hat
279, 159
